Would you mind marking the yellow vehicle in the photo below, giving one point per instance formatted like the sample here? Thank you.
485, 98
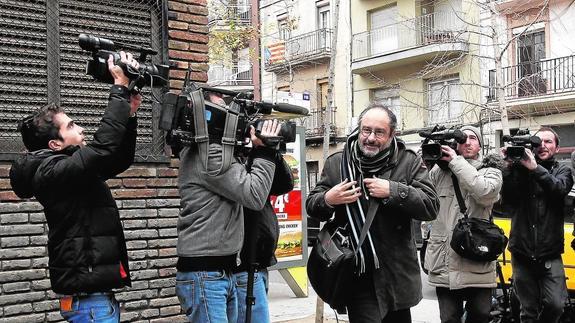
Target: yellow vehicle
506, 307
568, 255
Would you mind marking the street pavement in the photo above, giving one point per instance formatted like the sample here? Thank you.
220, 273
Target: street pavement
286, 307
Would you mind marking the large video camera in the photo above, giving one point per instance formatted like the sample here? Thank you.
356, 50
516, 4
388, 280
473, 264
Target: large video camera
431, 152
154, 75
179, 117
521, 141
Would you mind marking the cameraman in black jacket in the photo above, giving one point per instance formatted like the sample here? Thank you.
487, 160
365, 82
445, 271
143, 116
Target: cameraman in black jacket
86, 246
533, 194
261, 233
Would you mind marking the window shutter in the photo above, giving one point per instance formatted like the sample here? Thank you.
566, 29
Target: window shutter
23, 71
43, 63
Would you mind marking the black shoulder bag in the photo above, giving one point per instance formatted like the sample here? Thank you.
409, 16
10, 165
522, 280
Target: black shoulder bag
474, 238
331, 263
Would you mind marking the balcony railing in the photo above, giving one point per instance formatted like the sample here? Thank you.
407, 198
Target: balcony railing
314, 123
547, 76
239, 13
234, 75
299, 49
438, 27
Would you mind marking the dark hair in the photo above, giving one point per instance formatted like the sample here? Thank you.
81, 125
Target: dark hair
381, 106
550, 130
39, 128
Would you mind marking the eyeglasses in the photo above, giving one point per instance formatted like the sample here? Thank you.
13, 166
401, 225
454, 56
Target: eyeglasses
379, 133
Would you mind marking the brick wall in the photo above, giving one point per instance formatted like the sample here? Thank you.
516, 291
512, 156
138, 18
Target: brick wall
146, 195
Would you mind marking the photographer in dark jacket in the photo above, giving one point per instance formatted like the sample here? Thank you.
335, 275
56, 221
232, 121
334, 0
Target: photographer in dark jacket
533, 194
261, 233
86, 246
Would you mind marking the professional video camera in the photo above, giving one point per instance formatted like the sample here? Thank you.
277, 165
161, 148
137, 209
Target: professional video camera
441, 136
228, 116
521, 141
101, 48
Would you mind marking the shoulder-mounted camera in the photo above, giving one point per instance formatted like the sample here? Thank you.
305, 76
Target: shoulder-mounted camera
200, 113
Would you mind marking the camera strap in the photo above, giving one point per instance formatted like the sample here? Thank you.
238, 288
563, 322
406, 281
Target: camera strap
201, 130
228, 138
200, 125
460, 200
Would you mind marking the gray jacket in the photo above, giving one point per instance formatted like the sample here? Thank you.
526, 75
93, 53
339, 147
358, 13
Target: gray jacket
211, 220
480, 184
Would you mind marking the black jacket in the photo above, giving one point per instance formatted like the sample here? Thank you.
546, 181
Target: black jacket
85, 240
261, 226
398, 281
535, 202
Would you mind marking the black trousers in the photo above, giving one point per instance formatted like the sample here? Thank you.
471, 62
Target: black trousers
540, 288
364, 307
477, 304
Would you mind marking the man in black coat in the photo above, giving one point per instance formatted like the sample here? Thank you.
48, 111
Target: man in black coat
86, 246
380, 170
261, 233
533, 194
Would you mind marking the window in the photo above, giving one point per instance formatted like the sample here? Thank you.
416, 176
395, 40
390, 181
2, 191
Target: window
46, 65
530, 52
323, 17
283, 29
390, 97
383, 32
312, 174
444, 102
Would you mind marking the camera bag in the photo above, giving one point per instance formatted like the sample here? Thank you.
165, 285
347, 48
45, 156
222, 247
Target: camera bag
332, 261
473, 238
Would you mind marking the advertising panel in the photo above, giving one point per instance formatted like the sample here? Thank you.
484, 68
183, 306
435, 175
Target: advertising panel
289, 209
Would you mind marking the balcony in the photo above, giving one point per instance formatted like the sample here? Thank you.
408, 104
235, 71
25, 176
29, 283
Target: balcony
223, 15
548, 84
237, 75
409, 41
314, 46
314, 125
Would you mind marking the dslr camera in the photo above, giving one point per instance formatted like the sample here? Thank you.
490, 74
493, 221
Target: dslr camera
519, 142
154, 75
439, 135
182, 115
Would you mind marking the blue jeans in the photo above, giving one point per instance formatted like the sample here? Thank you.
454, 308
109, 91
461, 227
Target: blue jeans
95, 307
260, 310
207, 296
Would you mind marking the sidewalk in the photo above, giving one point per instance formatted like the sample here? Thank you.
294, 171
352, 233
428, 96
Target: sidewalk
285, 307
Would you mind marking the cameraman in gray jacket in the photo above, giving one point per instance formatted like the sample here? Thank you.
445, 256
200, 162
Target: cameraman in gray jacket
211, 224
458, 280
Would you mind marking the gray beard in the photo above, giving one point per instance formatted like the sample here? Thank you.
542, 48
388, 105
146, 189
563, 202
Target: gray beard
369, 154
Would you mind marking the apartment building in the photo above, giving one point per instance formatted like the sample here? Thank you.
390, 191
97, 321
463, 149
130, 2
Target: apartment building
296, 40
420, 58
538, 68
234, 45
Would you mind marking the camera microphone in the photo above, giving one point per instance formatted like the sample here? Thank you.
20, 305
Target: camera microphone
91, 43
283, 108
459, 136
506, 138
425, 134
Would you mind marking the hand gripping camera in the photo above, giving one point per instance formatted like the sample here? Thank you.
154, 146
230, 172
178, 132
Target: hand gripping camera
521, 141
101, 48
431, 152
